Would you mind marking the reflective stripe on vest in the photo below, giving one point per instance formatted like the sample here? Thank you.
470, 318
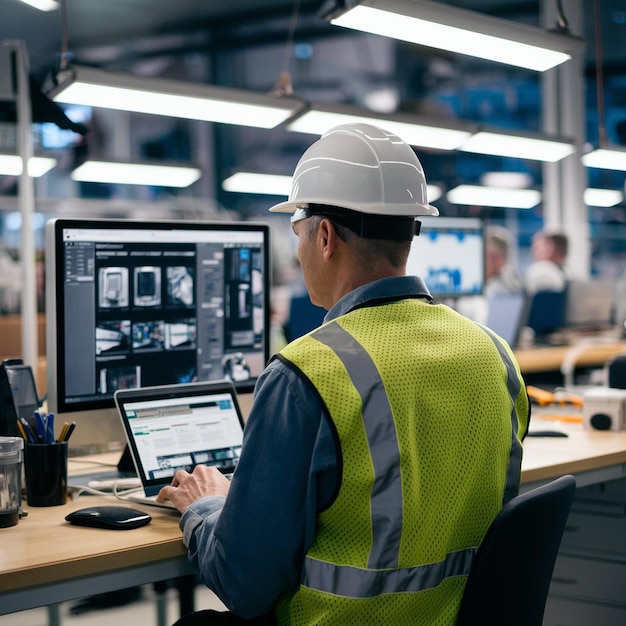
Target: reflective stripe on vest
354, 582
513, 474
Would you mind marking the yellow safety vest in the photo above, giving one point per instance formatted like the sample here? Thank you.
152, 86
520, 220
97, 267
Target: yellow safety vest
429, 409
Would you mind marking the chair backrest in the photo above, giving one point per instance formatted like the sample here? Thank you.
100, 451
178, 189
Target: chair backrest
303, 317
510, 577
547, 312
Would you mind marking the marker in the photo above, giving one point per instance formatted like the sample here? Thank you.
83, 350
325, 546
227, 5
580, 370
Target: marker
69, 432
61, 438
40, 423
49, 422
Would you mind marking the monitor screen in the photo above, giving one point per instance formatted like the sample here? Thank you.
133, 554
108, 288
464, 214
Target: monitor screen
142, 303
507, 314
449, 255
590, 303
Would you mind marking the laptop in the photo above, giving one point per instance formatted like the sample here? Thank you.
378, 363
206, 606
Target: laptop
179, 426
507, 314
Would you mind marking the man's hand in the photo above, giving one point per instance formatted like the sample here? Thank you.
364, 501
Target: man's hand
187, 488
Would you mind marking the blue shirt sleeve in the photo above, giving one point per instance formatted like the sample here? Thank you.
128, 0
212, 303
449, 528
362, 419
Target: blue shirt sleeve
249, 547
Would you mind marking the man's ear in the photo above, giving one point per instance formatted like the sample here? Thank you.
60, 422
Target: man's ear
327, 237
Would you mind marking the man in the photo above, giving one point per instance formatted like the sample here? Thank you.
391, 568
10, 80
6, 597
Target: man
501, 276
380, 446
547, 272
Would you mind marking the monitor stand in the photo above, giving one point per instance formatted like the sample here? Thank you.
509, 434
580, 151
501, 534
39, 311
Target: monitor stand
125, 465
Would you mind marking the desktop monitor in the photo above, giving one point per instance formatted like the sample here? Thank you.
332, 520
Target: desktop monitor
590, 304
142, 303
449, 255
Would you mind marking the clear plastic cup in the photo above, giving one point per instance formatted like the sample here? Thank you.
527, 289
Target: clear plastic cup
11, 451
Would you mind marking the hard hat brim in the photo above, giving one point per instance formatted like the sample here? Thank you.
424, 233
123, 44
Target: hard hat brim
415, 210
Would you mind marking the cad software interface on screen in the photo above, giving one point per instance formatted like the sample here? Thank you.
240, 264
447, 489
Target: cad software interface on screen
143, 308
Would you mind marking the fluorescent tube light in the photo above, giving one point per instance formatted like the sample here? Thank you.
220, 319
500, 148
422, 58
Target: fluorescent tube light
494, 197
602, 197
136, 174
252, 182
11, 165
606, 159
434, 192
276, 184
511, 180
415, 130
42, 5
157, 96
518, 146
439, 25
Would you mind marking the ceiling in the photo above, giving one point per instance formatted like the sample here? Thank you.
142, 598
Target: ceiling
132, 34
114, 25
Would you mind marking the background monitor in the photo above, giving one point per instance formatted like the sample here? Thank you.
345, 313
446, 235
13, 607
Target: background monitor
590, 304
142, 303
449, 255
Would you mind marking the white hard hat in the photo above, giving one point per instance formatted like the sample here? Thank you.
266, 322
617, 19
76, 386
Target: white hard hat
361, 168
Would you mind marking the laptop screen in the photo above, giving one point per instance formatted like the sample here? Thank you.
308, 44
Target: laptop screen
507, 315
180, 426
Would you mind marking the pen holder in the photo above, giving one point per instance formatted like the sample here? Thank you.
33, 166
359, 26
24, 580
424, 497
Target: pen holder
45, 473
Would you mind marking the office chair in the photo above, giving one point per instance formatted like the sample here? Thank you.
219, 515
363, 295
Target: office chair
510, 577
616, 370
303, 317
547, 312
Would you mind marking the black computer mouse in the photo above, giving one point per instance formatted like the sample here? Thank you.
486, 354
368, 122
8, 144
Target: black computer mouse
113, 517
547, 433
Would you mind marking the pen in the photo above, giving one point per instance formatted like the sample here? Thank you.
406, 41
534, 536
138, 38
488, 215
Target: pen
22, 431
63, 432
69, 432
30, 435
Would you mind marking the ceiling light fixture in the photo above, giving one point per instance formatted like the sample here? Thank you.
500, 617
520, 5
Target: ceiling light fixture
152, 175
439, 25
42, 5
160, 96
518, 145
252, 182
512, 180
11, 165
603, 197
476, 195
280, 185
418, 131
605, 157
434, 192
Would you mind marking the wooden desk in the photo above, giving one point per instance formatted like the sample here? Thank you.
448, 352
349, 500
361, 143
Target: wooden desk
547, 359
44, 560
592, 456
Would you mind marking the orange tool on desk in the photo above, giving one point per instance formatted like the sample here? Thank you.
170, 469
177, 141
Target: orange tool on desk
573, 418
561, 398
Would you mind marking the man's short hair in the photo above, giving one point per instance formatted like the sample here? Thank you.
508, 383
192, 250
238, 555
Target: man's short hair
559, 240
395, 252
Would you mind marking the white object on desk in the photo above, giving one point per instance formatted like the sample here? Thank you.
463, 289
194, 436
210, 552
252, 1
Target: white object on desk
604, 408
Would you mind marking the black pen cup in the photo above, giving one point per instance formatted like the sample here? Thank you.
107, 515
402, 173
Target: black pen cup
45, 473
